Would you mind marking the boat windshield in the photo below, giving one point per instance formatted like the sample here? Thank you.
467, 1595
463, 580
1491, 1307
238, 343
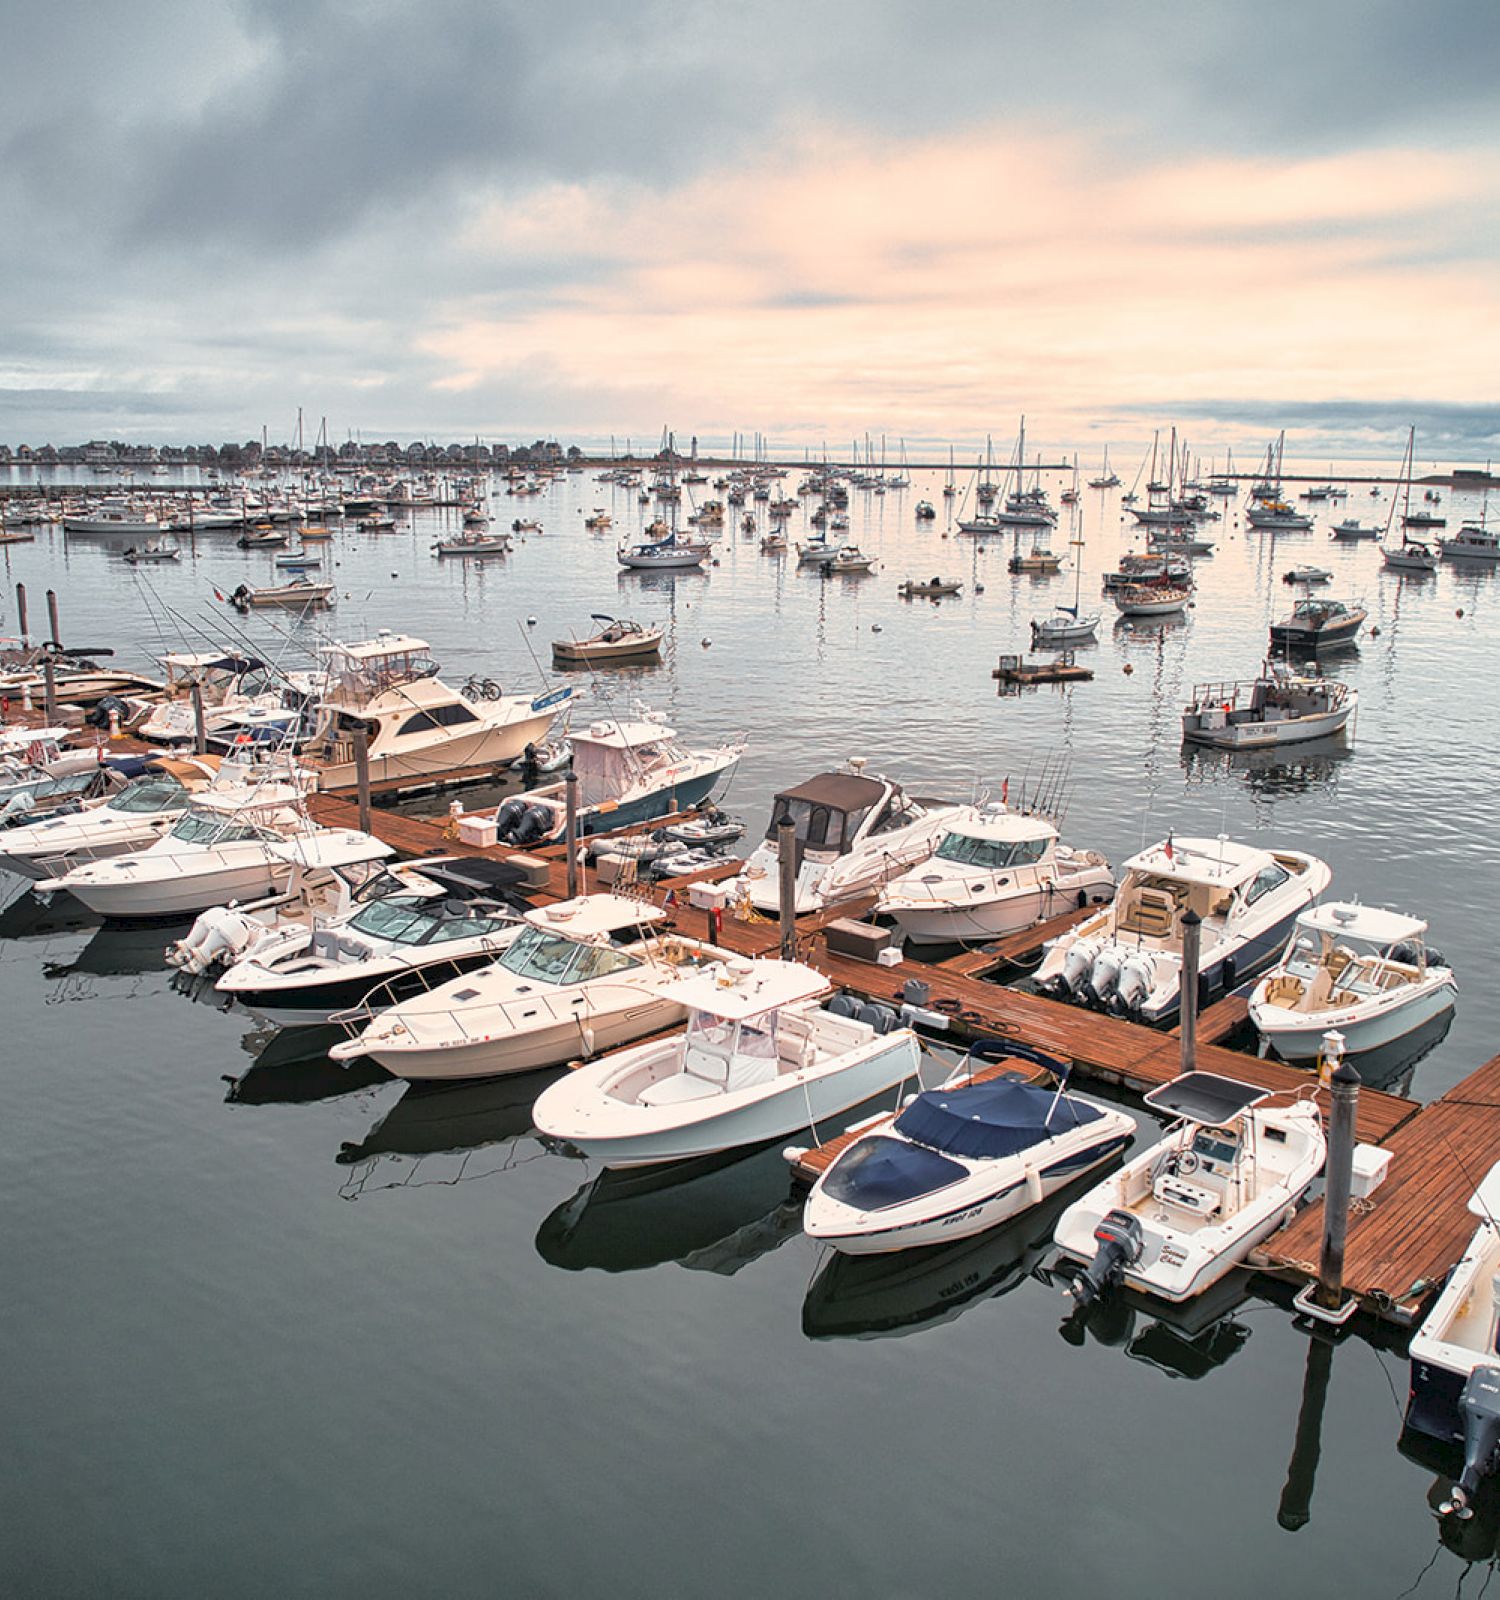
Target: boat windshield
197, 827
151, 794
408, 919
817, 826
990, 854
550, 959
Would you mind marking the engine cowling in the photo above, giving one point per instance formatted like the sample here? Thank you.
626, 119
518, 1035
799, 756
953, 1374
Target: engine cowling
1119, 1242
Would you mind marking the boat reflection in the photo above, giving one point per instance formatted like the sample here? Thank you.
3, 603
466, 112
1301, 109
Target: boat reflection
1298, 769
32, 916
713, 1215
1190, 1340
120, 950
439, 1118
291, 1067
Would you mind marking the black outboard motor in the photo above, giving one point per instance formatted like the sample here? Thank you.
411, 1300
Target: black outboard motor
1479, 1405
507, 817
533, 825
99, 716
1118, 1235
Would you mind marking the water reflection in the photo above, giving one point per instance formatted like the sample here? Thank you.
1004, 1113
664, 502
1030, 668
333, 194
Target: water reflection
1180, 1341
291, 1067
32, 916
120, 950
713, 1215
1305, 768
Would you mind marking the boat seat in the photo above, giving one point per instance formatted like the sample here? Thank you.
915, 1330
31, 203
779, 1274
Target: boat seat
678, 1089
794, 1041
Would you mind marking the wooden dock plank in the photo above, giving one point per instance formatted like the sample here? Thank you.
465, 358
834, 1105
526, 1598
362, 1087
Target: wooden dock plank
1223, 1016
1012, 946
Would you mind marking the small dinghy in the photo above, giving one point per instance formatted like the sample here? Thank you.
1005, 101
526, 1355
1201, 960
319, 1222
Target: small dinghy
958, 1160
713, 827
930, 589
153, 550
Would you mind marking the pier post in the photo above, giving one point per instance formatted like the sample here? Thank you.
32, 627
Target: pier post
52, 616
1295, 1509
49, 682
1338, 1176
21, 626
570, 792
786, 863
1187, 988
200, 722
362, 774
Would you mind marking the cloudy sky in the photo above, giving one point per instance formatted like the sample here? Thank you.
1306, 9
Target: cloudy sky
813, 220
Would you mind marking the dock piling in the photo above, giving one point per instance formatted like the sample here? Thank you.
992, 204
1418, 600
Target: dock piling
52, 617
1192, 943
786, 862
362, 774
200, 722
21, 624
49, 682
1338, 1177
570, 790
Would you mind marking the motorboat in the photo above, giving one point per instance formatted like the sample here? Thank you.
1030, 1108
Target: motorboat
583, 977
1362, 971
1127, 958
979, 525
263, 538
758, 1060
929, 589
1471, 543
850, 561
1036, 559
853, 832
1143, 567
297, 561
114, 517
1224, 1176
1455, 1369
1423, 519
295, 595
817, 553
416, 723
960, 1159
1411, 555
225, 682
1275, 708
111, 825
1276, 516
618, 641
1184, 540
1307, 575
152, 550
1351, 528
925, 511
628, 772
994, 872
1317, 624
1157, 598
473, 541
401, 930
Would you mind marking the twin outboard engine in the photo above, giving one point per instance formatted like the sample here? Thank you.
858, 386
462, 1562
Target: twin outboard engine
1118, 1235
1104, 975
1069, 983
1479, 1406
507, 817
535, 823
1134, 984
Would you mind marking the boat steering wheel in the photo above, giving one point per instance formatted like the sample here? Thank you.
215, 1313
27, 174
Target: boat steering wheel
1187, 1164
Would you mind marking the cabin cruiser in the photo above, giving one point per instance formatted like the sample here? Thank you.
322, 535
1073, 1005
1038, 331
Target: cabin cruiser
1276, 516
1471, 543
854, 832
1318, 624
417, 723
1139, 566
1455, 1368
225, 682
1222, 1178
111, 825
400, 930
584, 976
1128, 957
618, 641
1365, 972
297, 595
627, 772
1307, 574
1352, 528
960, 1159
1275, 708
759, 1059
994, 872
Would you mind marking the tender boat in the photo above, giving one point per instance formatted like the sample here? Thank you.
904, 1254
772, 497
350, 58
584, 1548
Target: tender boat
1362, 971
853, 833
618, 641
1128, 957
1316, 624
152, 550
1352, 528
1307, 575
994, 872
958, 1160
1223, 1177
585, 976
299, 593
1455, 1356
930, 589
1273, 709
758, 1061
1471, 543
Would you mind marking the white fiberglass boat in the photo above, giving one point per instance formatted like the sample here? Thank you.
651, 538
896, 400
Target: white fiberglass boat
1151, 599
1411, 555
853, 834
586, 975
1223, 1177
994, 872
1366, 972
1276, 708
958, 1160
226, 683
758, 1061
1472, 542
1128, 957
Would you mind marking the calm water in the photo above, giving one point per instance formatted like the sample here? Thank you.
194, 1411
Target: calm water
321, 1334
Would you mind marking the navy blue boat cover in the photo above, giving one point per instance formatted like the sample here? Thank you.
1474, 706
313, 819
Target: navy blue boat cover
988, 1120
878, 1171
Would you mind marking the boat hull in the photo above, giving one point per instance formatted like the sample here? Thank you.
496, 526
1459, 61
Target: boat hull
1264, 735
1002, 915
187, 890
1298, 1038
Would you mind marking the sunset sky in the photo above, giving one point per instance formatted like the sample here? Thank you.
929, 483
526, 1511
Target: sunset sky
812, 220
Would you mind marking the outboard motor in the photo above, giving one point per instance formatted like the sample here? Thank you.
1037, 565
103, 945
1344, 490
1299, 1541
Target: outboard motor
1435, 957
1479, 1405
1104, 975
1134, 984
508, 816
1070, 981
1118, 1235
534, 824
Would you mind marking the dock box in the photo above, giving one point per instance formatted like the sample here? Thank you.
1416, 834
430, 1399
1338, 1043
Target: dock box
1371, 1164
711, 896
476, 830
862, 941
535, 874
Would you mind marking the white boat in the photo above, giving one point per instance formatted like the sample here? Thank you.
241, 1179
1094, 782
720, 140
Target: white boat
153, 550
416, 723
994, 872
584, 977
1157, 599
757, 1061
1275, 708
1276, 516
1471, 543
618, 641
299, 593
1307, 575
1411, 555
1318, 624
1454, 1395
473, 541
1352, 528
1359, 970
958, 1160
1184, 540
1223, 1177
114, 517
1128, 957
664, 554
850, 561
930, 588
226, 683
853, 833
1068, 624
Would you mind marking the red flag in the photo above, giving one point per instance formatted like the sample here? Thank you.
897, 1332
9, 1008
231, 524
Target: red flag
218, 596
671, 899
1166, 849
1005, 792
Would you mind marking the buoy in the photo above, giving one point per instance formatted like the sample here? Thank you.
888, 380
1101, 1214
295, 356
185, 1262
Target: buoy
531, 622
1127, 669
1459, 612
705, 641
978, 588
876, 628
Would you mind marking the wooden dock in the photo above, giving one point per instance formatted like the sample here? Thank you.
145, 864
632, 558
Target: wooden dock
1014, 672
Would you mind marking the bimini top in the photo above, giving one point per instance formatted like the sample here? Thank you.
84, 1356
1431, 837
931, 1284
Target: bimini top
990, 1120
735, 990
1219, 862
622, 735
1342, 919
996, 824
593, 914
1206, 1097
382, 645
840, 791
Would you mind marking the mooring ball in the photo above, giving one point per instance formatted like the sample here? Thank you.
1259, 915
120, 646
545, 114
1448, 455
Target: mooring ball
1459, 612
1374, 633
978, 588
531, 622
1127, 669
706, 641
876, 628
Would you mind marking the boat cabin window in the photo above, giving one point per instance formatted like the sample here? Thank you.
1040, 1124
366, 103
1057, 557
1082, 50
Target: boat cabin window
1268, 878
402, 920
991, 854
601, 961
197, 828
451, 716
536, 954
1219, 1145
817, 827
151, 794
466, 928
421, 723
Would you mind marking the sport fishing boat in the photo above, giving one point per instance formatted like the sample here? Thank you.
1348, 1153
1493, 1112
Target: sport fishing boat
1318, 624
585, 976
1128, 957
1455, 1368
1275, 708
1222, 1178
627, 772
226, 683
618, 641
758, 1060
403, 930
1365, 972
994, 872
960, 1159
853, 833
416, 723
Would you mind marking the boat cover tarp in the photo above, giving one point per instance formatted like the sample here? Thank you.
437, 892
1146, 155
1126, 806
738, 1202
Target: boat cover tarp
879, 1171
986, 1121
840, 791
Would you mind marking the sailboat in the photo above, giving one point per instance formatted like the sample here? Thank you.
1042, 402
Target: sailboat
949, 488
1066, 625
1411, 555
1106, 478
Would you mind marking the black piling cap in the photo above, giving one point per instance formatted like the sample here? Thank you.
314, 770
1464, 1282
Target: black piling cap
1345, 1076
